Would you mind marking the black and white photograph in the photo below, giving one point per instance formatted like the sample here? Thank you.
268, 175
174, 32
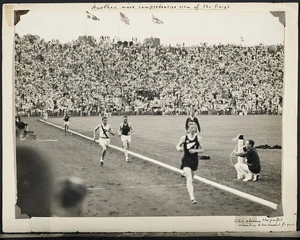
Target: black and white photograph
161, 116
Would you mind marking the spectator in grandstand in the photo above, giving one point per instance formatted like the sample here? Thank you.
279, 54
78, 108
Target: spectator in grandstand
89, 76
250, 169
191, 146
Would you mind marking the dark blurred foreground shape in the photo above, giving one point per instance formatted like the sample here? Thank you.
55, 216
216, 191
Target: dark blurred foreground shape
34, 182
68, 198
39, 194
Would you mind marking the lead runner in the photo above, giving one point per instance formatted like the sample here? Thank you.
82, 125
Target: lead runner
104, 139
191, 147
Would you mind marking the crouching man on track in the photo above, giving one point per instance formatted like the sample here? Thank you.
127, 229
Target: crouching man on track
250, 169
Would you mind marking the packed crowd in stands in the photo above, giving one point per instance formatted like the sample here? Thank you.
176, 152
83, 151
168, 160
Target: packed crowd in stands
89, 76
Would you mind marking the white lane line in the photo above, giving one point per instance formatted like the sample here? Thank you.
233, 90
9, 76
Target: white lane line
47, 140
237, 192
140, 186
217, 185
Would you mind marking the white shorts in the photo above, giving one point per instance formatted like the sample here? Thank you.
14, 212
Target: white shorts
104, 142
126, 138
67, 123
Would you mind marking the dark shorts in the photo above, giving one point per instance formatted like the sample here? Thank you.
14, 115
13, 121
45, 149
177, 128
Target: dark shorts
191, 163
254, 169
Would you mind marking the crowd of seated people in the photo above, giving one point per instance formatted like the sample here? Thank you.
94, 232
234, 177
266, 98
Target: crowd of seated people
89, 76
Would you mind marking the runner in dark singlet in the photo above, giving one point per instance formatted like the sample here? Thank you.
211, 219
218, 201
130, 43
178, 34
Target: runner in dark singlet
125, 131
191, 147
66, 122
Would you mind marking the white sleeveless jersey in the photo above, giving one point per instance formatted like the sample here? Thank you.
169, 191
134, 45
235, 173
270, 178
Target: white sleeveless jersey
104, 134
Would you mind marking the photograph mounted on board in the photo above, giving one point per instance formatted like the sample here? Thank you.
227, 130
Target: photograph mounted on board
153, 110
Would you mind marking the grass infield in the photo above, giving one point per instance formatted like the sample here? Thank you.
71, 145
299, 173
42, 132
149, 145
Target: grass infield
140, 188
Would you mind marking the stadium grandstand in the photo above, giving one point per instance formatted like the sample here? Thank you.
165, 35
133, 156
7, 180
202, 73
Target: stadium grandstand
91, 76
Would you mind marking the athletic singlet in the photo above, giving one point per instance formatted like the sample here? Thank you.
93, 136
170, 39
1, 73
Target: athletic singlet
125, 129
190, 144
66, 118
102, 133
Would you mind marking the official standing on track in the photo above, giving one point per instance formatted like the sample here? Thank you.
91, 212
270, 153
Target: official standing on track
104, 140
125, 131
192, 118
191, 147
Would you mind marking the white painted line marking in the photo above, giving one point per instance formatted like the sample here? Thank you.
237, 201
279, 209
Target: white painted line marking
141, 186
47, 140
217, 185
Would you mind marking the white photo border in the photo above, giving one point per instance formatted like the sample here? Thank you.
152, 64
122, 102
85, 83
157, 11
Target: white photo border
153, 224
